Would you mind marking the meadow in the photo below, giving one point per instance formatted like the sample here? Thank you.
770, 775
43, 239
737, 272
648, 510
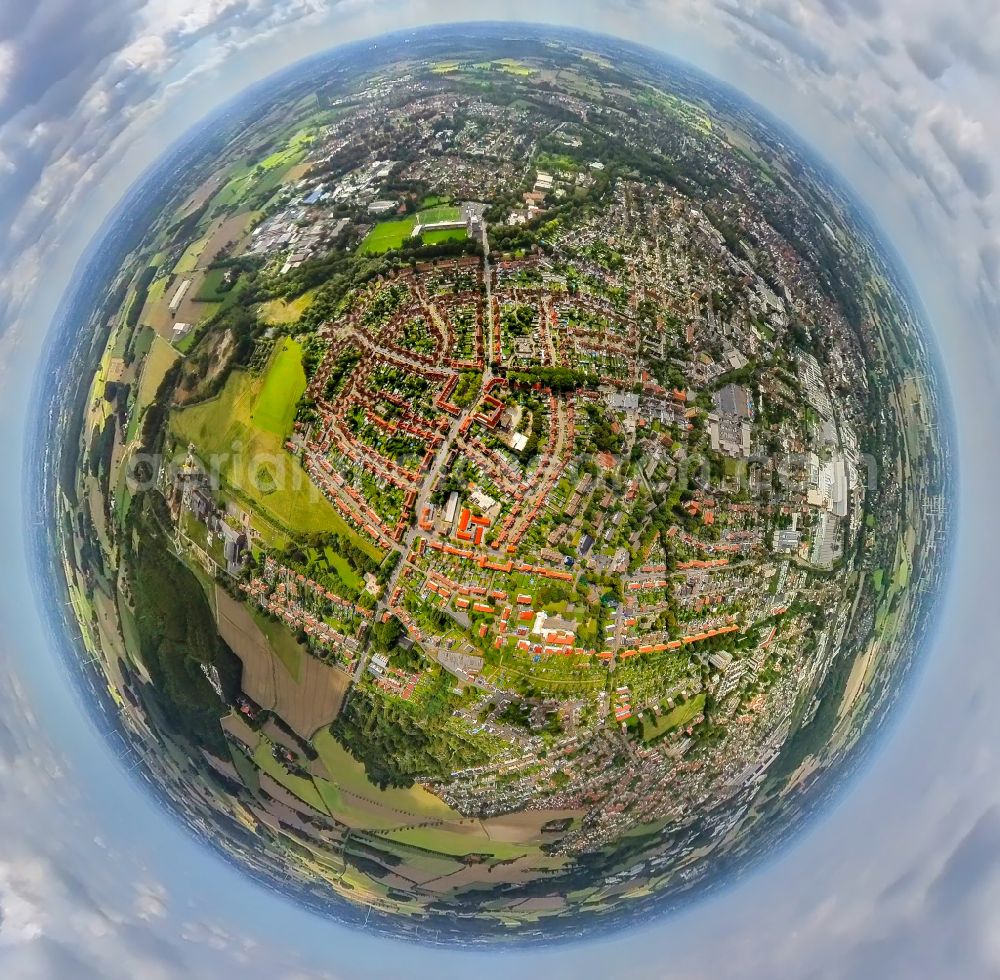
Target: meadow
241, 433
280, 311
284, 385
680, 715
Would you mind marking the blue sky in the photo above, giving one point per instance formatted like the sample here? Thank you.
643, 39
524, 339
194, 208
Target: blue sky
901, 879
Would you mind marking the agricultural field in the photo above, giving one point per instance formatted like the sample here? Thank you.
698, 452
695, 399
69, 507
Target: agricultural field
188, 262
156, 363
307, 701
441, 841
300, 787
401, 806
256, 180
263, 473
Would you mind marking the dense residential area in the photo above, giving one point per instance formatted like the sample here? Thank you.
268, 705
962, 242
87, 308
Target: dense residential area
500, 490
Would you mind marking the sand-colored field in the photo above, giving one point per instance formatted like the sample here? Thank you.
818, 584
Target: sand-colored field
480, 875
859, 678
286, 311
526, 826
159, 360
297, 172
201, 195
276, 814
543, 903
227, 769
221, 233
306, 704
158, 316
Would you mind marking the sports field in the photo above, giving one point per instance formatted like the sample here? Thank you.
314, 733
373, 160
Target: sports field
444, 235
443, 212
387, 235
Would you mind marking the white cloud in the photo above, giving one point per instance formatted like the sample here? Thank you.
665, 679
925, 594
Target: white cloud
8, 65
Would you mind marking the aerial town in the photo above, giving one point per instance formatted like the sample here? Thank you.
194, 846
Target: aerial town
547, 495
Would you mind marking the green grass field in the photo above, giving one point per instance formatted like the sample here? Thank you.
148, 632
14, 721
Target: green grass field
234, 190
284, 385
514, 67
558, 162
305, 789
188, 262
283, 158
247, 770
442, 841
263, 176
302, 139
443, 212
210, 291
286, 648
143, 342
356, 814
349, 774
387, 235
681, 715
228, 433
342, 567
445, 235
155, 292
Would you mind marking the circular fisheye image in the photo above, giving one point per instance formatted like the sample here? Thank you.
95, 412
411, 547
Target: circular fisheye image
500, 483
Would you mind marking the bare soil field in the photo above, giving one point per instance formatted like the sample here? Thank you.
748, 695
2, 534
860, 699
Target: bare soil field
222, 233
307, 704
525, 827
